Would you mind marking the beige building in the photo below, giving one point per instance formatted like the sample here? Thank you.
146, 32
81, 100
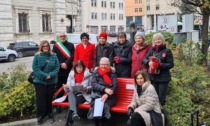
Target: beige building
153, 8
35, 20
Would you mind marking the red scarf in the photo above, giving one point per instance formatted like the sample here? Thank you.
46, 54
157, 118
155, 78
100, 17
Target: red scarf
104, 74
78, 77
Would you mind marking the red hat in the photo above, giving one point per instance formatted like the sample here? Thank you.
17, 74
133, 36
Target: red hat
103, 34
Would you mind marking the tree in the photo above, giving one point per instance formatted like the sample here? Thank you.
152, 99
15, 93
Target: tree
203, 8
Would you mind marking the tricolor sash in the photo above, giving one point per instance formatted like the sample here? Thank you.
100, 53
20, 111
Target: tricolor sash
62, 48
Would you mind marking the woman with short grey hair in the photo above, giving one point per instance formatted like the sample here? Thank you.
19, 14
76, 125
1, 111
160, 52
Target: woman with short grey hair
104, 84
159, 59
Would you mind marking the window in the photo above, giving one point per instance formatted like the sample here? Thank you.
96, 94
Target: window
112, 16
103, 16
121, 6
120, 16
93, 15
136, 9
140, 9
112, 4
23, 22
138, 1
103, 4
46, 23
148, 7
157, 7
93, 3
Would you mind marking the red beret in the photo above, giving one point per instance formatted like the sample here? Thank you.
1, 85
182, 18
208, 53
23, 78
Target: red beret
103, 34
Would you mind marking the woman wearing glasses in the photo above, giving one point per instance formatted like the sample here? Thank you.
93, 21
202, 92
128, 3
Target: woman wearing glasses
45, 66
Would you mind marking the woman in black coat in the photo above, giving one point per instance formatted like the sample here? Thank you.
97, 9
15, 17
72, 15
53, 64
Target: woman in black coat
160, 59
104, 84
122, 56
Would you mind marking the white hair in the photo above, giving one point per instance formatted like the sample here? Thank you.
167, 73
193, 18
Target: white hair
158, 35
105, 59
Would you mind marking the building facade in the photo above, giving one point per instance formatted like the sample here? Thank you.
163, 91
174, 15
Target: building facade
103, 15
134, 11
145, 12
29, 20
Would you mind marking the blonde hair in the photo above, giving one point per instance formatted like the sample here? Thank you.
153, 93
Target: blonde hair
41, 47
158, 35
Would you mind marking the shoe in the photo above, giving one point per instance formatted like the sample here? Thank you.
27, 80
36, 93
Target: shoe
68, 124
40, 120
75, 117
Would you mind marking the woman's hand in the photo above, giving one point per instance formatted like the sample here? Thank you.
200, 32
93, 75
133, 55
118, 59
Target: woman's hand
66, 86
48, 77
108, 91
84, 90
104, 97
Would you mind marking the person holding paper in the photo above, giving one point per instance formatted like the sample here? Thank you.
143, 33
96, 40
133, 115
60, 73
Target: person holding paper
104, 84
78, 76
159, 59
144, 110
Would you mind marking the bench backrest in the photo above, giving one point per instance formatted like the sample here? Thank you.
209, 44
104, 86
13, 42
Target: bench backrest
125, 90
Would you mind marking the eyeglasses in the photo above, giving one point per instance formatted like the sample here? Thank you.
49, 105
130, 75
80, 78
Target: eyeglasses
45, 46
62, 36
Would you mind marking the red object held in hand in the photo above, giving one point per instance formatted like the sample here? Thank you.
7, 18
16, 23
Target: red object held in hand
155, 63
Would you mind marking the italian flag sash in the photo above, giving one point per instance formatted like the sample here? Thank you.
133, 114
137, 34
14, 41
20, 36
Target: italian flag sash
62, 48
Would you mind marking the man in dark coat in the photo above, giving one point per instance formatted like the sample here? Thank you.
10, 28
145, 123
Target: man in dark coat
65, 63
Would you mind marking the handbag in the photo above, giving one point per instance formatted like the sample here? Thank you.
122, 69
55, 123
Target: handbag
32, 75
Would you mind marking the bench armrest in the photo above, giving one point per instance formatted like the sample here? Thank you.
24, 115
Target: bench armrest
57, 92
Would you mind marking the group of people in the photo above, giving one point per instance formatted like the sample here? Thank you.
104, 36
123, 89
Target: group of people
97, 67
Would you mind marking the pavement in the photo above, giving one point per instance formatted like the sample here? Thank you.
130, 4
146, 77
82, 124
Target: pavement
118, 119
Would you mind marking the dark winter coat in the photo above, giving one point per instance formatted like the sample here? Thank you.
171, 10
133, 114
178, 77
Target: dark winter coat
63, 59
123, 69
98, 85
103, 51
166, 63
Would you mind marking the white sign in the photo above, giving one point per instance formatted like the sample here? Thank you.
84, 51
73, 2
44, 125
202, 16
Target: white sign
75, 38
167, 23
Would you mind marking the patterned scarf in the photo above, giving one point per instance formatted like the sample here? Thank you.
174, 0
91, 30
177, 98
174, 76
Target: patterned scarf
79, 77
104, 74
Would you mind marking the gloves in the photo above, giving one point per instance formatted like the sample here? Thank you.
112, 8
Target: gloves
130, 111
155, 65
117, 59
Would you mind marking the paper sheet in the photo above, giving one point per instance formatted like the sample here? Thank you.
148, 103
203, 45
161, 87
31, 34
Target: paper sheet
61, 99
98, 108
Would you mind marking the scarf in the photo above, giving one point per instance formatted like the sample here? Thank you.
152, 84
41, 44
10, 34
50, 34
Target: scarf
104, 74
139, 90
79, 77
157, 47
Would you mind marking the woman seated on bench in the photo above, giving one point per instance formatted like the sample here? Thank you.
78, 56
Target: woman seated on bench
78, 76
104, 84
144, 109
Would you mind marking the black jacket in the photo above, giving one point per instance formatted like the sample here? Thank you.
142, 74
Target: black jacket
103, 51
166, 58
63, 59
123, 69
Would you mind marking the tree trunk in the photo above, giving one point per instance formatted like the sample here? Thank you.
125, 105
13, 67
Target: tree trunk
205, 35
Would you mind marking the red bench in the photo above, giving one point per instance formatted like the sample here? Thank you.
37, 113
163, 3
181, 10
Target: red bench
124, 96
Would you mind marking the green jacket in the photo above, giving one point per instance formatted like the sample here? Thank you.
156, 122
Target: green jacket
51, 68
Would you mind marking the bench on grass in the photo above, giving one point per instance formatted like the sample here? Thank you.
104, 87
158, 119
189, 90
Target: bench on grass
124, 96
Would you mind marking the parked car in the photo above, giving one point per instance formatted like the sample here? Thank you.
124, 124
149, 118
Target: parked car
112, 34
26, 48
7, 54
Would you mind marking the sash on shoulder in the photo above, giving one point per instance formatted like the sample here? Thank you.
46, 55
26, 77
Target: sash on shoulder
62, 48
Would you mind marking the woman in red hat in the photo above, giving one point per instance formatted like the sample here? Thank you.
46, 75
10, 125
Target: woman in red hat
103, 49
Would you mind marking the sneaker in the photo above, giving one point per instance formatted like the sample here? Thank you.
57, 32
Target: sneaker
75, 117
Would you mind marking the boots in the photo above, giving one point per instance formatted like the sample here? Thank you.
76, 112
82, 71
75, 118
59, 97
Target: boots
69, 121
